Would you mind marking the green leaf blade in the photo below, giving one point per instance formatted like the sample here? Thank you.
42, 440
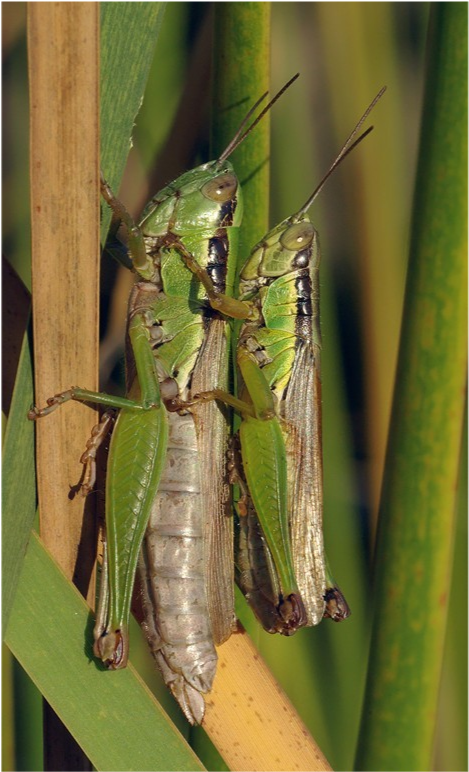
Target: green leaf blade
112, 715
129, 32
19, 482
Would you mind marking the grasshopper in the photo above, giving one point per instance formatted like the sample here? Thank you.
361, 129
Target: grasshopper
282, 567
167, 498
281, 277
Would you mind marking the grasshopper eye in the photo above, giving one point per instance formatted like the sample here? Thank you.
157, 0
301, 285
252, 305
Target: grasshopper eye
221, 189
298, 236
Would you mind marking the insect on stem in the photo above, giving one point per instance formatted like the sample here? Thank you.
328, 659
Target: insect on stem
281, 559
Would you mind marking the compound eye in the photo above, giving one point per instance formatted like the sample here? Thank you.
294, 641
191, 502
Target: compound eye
221, 188
298, 236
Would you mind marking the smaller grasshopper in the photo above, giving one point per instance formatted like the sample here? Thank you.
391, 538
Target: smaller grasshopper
282, 567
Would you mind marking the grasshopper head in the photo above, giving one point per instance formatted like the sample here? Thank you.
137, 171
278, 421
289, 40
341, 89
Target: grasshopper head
204, 199
285, 248
291, 245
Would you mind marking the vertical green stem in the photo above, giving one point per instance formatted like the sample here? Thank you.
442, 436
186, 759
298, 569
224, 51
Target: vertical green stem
415, 536
241, 75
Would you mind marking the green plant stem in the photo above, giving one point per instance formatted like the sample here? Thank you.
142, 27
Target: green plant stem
415, 536
241, 75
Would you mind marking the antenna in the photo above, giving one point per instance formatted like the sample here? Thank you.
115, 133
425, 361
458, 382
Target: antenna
346, 149
240, 136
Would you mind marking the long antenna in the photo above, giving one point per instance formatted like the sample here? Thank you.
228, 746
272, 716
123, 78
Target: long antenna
347, 148
240, 136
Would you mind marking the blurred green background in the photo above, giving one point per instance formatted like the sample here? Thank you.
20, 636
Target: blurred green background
344, 52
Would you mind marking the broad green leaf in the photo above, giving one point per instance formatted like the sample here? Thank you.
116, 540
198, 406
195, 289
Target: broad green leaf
112, 715
129, 32
19, 482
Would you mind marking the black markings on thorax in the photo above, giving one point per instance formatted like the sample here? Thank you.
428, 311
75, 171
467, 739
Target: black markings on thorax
227, 211
218, 249
304, 294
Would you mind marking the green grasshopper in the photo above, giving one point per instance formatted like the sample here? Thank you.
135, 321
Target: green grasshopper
282, 568
281, 277
166, 473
